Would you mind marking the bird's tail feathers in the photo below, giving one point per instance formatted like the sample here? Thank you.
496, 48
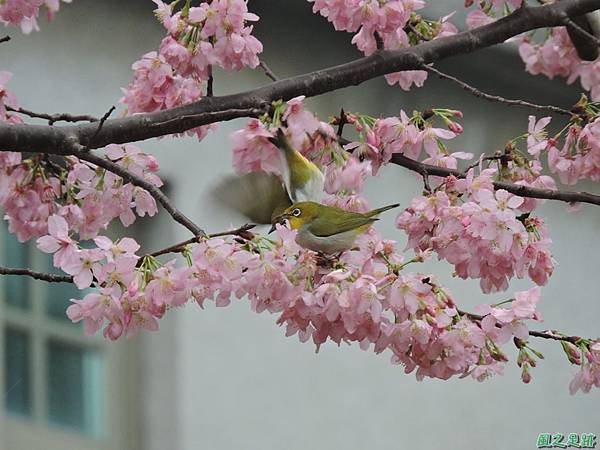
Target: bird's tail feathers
376, 212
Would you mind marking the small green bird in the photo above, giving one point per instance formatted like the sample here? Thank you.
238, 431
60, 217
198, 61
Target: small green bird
303, 180
327, 229
261, 196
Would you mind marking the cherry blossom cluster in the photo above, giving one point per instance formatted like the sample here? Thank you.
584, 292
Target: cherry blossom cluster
586, 355
380, 139
577, 157
253, 151
24, 13
212, 34
35, 188
551, 54
556, 56
7, 98
393, 22
481, 232
364, 297
487, 11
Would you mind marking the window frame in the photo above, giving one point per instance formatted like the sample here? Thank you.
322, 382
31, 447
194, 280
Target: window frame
120, 415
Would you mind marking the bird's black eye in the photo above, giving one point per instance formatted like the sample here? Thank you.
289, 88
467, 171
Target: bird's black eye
296, 212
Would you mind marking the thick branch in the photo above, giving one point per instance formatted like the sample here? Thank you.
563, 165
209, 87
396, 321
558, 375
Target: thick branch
521, 191
50, 277
45, 139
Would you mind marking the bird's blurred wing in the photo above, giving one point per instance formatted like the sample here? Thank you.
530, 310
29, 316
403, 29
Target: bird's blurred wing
325, 225
257, 195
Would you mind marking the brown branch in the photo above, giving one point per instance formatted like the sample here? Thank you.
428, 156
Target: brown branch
581, 31
50, 277
36, 138
268, 72
158, 195
539, 334
416, 32
100, 125
178, 248
516, 189
52, 118
496, 98
209, 83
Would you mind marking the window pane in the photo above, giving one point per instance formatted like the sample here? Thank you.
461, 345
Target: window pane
75, 388
58, 295
16, 255
17, 387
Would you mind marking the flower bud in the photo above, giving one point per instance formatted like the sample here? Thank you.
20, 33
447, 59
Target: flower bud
572, 352
525, 375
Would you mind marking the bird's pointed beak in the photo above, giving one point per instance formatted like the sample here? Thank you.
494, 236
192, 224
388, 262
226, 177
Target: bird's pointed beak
278, 220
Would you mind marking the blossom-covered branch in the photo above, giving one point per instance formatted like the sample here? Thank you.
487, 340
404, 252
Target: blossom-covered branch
516, 189
159, 195
36, 138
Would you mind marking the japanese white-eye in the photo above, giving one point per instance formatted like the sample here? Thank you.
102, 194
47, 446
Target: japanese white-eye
261, 196
303, 180
327, 229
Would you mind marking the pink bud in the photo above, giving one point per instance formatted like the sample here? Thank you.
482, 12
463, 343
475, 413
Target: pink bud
455, 127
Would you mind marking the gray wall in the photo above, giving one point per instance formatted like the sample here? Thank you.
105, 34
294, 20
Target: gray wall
228, 378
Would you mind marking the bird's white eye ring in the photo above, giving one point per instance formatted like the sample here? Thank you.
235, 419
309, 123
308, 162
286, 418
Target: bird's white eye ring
296, 212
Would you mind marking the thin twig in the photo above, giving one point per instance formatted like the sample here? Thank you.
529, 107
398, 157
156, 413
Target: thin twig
485, 158
268, 72
378, 40
343, 121
158, 195
100, 125
50, 277
416, 32
209, 84
517, 189
5, 39
52, 118
540, 334
496, 98
177, 248
426, 184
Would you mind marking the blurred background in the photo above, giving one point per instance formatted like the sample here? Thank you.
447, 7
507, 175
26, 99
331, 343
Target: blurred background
227, 378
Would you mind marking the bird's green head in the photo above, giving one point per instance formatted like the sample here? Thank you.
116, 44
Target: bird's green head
298, 215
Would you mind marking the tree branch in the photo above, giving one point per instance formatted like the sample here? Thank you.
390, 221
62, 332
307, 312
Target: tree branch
540, 334
50, 277
268, 72
5, 39
158, 195
52, 118
516, 189
45, 139
496, 98
177, 248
